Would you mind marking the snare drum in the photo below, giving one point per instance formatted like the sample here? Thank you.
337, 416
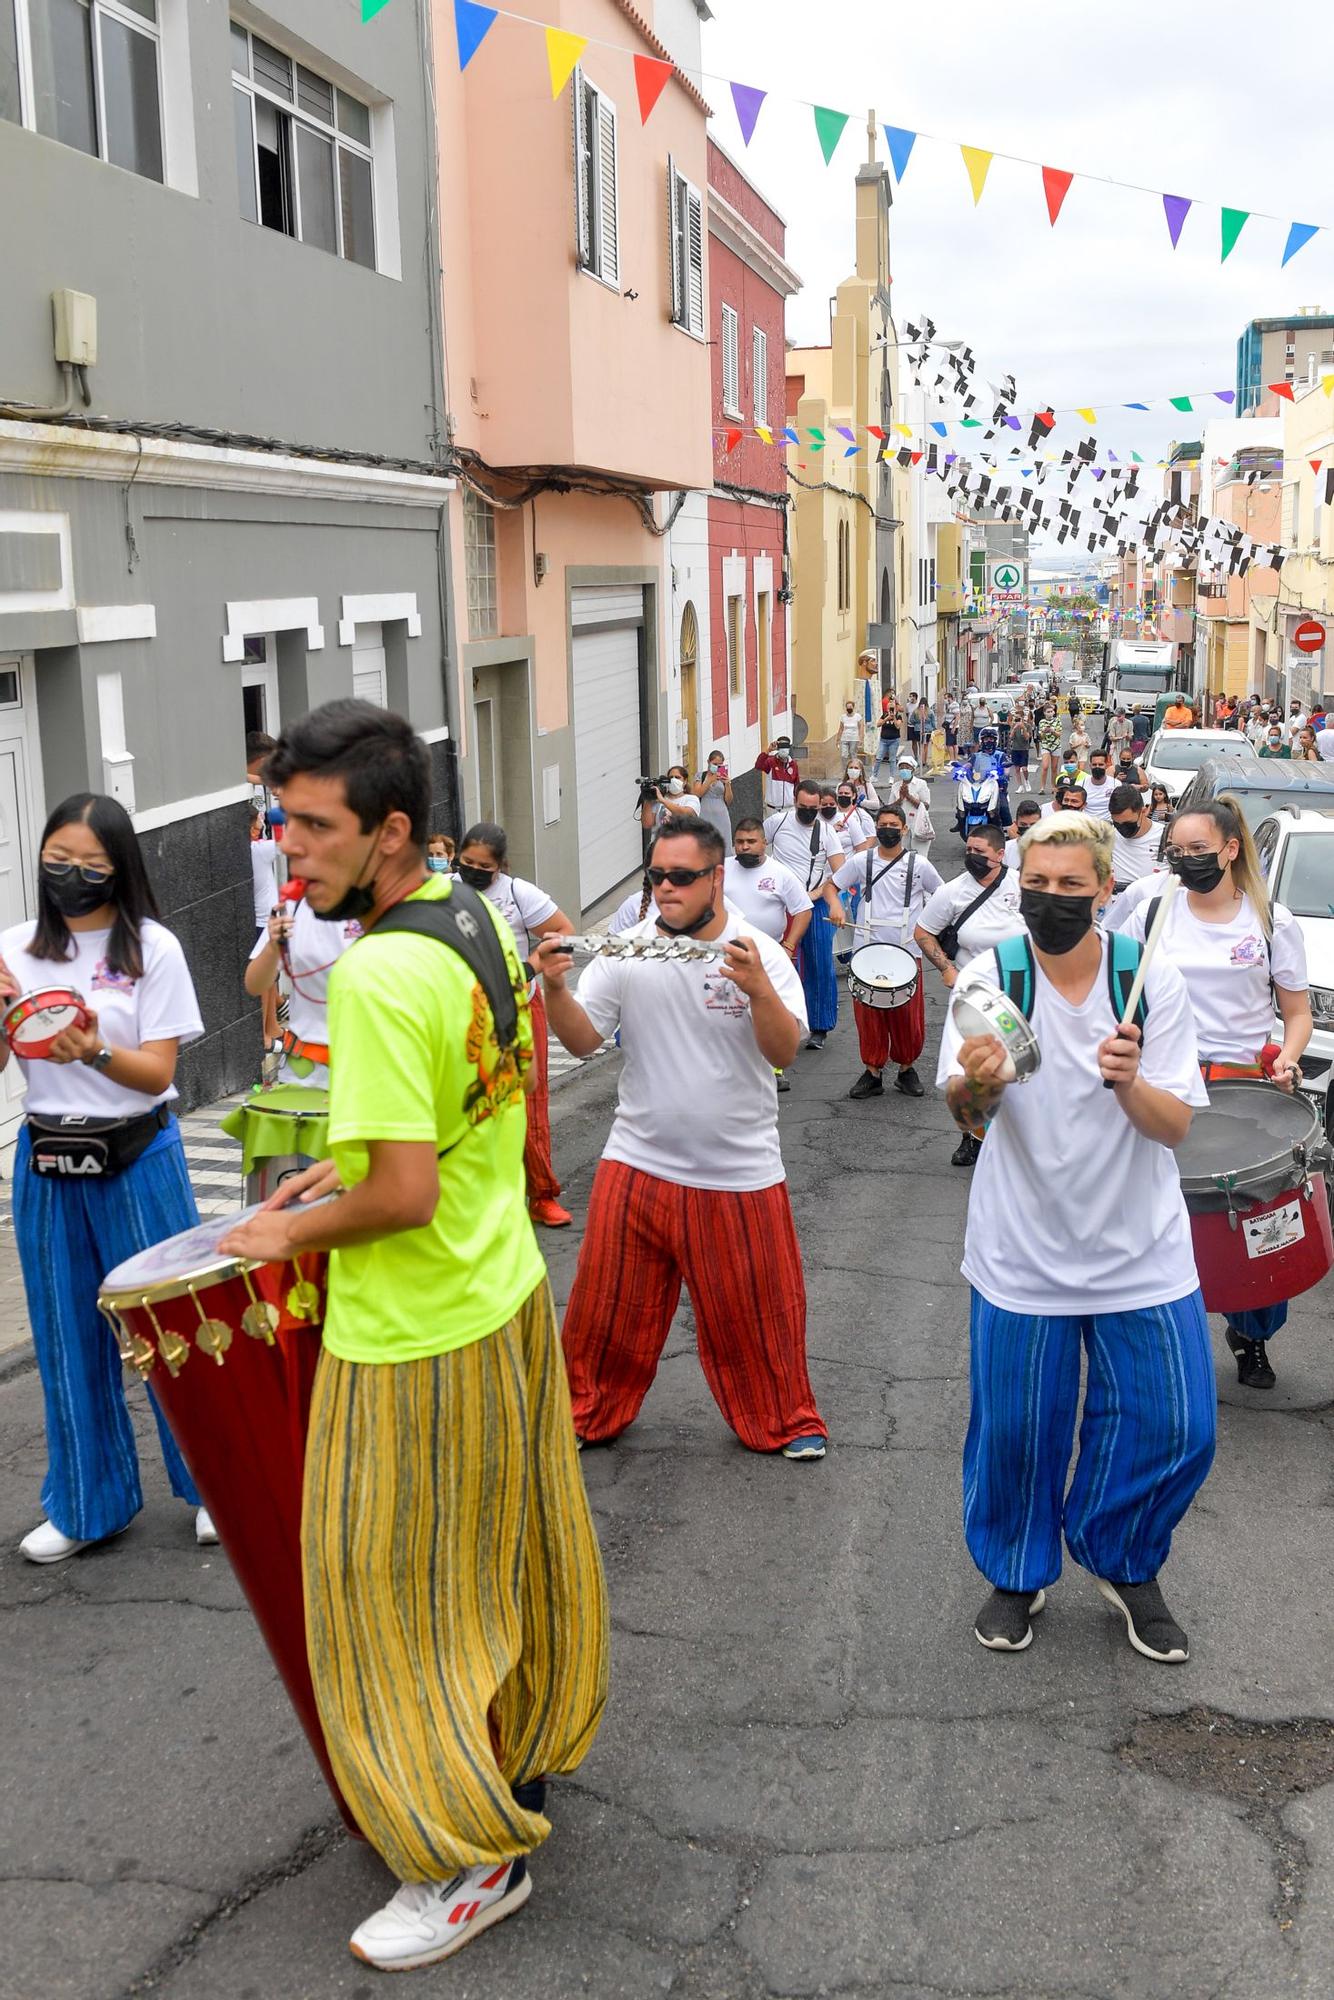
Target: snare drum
232, 1348
1252, 1170
37, 1019
282, 1132
883, 976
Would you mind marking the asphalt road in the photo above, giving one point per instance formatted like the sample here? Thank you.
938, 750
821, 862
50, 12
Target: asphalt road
811, 1780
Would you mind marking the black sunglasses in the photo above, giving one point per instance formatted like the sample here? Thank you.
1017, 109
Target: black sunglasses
680, 878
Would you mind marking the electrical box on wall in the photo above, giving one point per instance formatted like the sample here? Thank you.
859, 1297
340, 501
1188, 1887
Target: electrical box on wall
550, 794
75, 318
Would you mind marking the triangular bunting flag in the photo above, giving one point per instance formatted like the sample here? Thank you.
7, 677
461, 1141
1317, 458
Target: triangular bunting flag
876, 433
1056, 186
852, 451
747, 101
791, 435
970, 423
732, 440
471, 23
1046, 418
370, 8
904, 430
764, 434
1089, 416
978, 164
900, 145
1176, 208
1327, 384
652, 77
829, 129
563, 52
1226, 395
1299, 236
817, 439
941, 428
844, 432
1283, 389
1134, 406
916, 457
1180, 402
1234, 221
1315, 463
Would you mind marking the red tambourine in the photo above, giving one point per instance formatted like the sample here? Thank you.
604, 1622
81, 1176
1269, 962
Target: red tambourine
35, 1021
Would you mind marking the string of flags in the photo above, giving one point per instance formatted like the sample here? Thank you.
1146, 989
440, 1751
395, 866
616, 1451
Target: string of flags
474, 21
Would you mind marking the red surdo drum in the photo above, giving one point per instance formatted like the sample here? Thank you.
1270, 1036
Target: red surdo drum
1252, 1170
232, 1348
36, 1020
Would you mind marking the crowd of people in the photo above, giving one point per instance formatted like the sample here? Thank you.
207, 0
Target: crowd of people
448, 1415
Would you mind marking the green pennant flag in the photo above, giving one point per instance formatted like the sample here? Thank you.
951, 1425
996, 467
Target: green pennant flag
970, 423
829, 127
1180, 402
1234, 221
370, 8
1138, 460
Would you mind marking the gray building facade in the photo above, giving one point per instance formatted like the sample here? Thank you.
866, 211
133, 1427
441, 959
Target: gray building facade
222, 486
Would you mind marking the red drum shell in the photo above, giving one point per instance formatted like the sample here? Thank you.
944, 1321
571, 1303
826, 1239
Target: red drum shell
1237, 1273
29, 1004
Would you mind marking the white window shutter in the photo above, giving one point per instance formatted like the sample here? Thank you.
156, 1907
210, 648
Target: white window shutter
582, 181
609, 257
760, 385
731, 386
676, 242
694, 261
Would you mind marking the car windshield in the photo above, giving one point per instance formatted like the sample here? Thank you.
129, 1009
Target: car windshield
1306, 875
1258, 805
1173, 753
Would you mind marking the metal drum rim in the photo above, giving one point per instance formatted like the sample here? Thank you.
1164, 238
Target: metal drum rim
1283, 1170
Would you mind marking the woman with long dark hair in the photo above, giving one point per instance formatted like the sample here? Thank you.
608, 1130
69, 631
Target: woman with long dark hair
100, 1169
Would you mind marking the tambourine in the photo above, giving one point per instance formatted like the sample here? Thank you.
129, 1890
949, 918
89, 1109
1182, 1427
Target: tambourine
35, 1021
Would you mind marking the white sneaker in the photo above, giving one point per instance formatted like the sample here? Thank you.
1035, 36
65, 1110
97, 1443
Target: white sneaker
46, 1544
427, 1921
205, 1533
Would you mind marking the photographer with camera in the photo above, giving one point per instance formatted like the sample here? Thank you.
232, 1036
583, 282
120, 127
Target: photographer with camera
661, 799
781, 776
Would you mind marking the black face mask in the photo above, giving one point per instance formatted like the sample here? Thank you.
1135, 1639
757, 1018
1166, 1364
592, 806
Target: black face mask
979, 866
355, 903
748, 860
808, 814
74, 897
1200, 872
829, 812
889, 837
846, 799
1056, 924
1098, 772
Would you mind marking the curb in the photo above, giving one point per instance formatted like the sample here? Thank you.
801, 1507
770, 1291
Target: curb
17, 1361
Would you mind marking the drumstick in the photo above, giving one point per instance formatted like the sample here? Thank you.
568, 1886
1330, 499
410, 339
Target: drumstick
1151, 943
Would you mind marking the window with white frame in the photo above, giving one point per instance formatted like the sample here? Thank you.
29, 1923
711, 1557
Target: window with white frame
760, 384
731, 364
685, 226
304, 159
479, 561
736, 656
597, 222
89, 74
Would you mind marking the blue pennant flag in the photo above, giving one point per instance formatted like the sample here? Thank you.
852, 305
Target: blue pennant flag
901, 144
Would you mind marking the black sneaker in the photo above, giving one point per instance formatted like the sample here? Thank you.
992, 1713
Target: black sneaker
1150, 1626
816, 1041
1003, 1622
966, 1152
868, 1084
1253, 1369
910, 1083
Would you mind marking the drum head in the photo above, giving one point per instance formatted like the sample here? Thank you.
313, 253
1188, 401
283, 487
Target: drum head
887, 965
166, 1269
37, 1018
1247, 1132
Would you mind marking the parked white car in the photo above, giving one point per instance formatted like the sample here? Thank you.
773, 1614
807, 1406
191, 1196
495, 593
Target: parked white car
1297, 854
1173, 756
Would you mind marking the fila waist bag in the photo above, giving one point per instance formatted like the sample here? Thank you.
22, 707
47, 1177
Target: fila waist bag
91, 1149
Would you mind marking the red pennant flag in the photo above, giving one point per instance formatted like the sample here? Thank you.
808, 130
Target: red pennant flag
1056, 186
1315, 463
651, 78
915, 456
1047, 418
876, 433
1281, 389
732, 440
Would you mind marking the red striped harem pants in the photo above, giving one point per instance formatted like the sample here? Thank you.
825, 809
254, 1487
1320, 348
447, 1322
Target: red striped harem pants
538, 1166
741, 1264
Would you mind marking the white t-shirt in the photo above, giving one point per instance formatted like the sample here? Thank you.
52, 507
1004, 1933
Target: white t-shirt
1103, 1227
313, 948
887, 922
1136, 857
675, 804
697, 1103
998, 917
1100, 795
627, 914
160, 1007
1226, 970
853, 826
1324, 743
523, 906
790, 842
264, 876
766, 896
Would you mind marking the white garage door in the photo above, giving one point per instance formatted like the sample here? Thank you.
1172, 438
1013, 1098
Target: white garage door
607, 757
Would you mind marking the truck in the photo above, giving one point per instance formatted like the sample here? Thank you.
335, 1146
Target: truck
1142, 669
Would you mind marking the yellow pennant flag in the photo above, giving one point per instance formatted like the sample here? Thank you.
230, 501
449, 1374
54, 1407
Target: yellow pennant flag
978, 164
904, 430
1327, 384
563, 52
763, 432
1089, 416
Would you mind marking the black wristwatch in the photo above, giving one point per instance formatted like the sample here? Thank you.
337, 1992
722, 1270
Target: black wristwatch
102, 1060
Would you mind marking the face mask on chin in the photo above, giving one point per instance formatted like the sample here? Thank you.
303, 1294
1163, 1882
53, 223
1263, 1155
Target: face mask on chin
358, 899
748, 860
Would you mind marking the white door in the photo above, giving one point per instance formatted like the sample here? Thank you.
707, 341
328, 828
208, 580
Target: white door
18, 846
368, 668
607, 752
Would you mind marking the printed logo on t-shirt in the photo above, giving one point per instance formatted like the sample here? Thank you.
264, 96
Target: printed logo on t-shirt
500, 1072
724, 996
104, 980
1248, 950
352, 930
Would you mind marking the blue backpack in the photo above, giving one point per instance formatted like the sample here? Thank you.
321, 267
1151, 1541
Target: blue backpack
1018, 971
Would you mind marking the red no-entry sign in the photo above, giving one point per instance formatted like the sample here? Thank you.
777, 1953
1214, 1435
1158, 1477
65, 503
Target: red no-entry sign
1309, 636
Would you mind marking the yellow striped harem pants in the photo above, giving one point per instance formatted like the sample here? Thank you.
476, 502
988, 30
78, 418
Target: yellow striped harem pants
456, 1614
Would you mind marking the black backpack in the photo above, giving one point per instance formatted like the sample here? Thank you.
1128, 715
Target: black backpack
462, 921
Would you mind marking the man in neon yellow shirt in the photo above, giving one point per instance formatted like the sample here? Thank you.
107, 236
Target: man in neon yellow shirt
455, 1607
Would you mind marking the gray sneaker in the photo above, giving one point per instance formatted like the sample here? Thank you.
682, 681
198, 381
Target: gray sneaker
1150, 1626
1003, 1622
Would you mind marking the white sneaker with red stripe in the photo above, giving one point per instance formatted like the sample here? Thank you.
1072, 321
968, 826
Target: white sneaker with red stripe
427, 1921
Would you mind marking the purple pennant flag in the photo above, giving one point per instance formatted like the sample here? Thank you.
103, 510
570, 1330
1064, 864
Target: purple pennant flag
951, 456
1176, 207
1226, 395
747, 101
844, 432
1099, 472
1014, 423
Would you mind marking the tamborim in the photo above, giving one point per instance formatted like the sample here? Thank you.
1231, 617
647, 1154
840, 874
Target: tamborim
883, 976
1252, 1171
34, 1021
239, 1343
982, 1009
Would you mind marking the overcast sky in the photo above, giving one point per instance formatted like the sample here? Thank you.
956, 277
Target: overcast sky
1099, 310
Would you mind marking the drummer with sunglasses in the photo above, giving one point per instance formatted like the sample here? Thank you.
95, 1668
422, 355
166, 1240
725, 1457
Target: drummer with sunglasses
900, 887
1240, 955
97, 932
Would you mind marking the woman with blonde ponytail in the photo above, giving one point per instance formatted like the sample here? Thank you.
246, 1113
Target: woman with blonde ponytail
1241, 957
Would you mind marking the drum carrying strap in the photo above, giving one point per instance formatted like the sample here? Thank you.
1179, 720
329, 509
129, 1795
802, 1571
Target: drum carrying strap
1018, 971
462, 921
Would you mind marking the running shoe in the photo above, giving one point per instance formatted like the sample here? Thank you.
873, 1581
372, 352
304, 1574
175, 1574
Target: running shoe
550, 1215
1003, 1622
424, 1922
910, 1083
805, 1447
1150, 1626
868, 1084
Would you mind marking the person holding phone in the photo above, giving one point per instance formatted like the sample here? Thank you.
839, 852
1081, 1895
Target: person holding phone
714, 792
